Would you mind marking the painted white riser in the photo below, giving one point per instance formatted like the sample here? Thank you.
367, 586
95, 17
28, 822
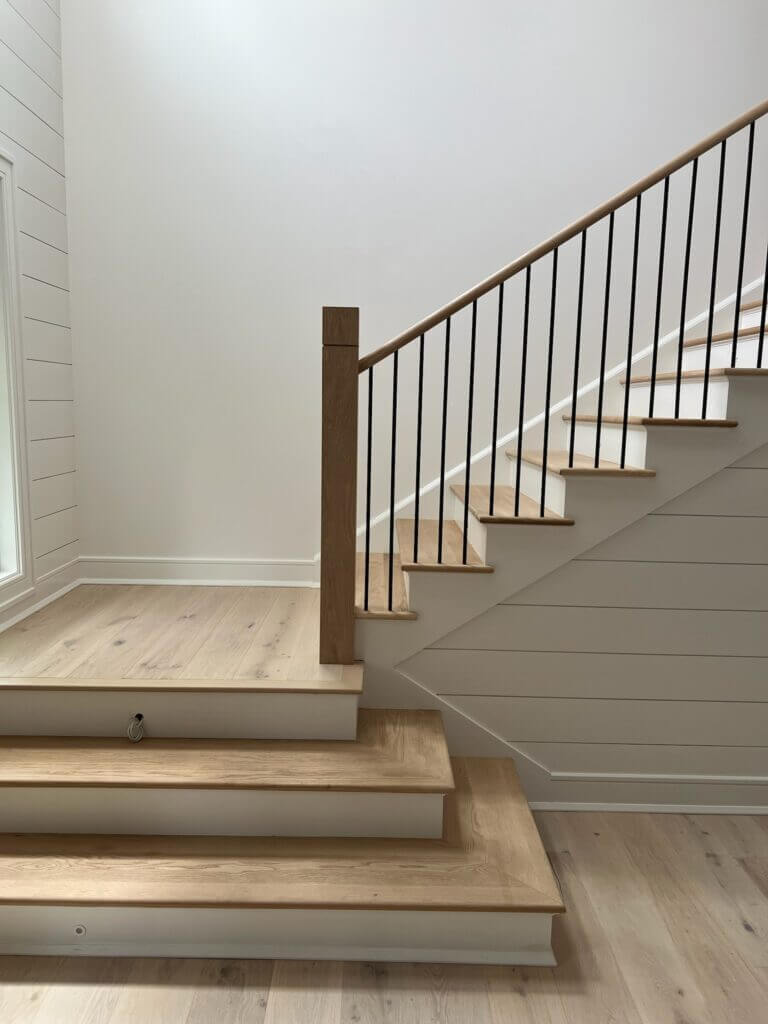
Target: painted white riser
114, 810
751, 318
179, 713
476, 530
610, 442
746, 354
426, 936
530, 484
691, 397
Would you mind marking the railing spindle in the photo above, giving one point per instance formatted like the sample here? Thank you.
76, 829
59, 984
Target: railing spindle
497, 377
523, 366
659, 288
470, 404
763, 310
367, 567
441, 513
713, 286
604, 344
577, 351
391, 567
548, 392
684, 299
742, 247
419, 409
631, 333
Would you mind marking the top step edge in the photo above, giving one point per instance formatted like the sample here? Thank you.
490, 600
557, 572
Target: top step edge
722, 337
350, 682
654, 421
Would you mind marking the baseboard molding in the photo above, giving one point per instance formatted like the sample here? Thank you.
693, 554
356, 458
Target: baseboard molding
559, 805
56, 585
211, 572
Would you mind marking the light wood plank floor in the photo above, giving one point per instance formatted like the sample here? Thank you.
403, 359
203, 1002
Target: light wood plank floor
667, 923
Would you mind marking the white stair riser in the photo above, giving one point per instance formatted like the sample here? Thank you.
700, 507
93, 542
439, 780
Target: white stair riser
691, 396
530, 484
751, 318
746, 354
426, 936
476, 530
186, 714
610, 442
114, 810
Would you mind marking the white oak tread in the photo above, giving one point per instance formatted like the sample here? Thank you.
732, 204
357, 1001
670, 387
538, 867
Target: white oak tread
350, 681
491, 858
504, 507
723, 336
753, 304
452, 553
395, 752
583, 465
718, 371
652, 421
378, 589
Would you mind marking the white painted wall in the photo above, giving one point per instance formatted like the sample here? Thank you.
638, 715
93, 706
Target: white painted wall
31, 137
233, 167
636, 672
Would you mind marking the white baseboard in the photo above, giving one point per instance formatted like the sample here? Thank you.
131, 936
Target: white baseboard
211, 572
560, 805
26, 604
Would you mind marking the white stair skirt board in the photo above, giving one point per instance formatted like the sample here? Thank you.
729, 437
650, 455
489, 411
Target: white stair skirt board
426, 936
694, 358
137, 810
189, 714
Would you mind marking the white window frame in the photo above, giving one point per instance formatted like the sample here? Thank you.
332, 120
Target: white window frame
18, 583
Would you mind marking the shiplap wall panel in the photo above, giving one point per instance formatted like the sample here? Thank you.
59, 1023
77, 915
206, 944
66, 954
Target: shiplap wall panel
31, 125
651, 585
48, 381
646, 657
20, 37
43, 262
48, 458
582, 720
47, 420
569, 674
48, 342
53, 494
41, 220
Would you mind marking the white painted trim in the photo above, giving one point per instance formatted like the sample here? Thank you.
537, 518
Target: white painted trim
38, 604
423, 936
560, 805
200, 571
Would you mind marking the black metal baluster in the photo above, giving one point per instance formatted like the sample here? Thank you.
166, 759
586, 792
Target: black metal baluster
523, 368
548, 392
763, 312
745, 217
470, 404
579, 308
441, 513
659, 285
684, 300
419, 408
604, 346
713, 287
492, 493
631, 338
390, 582
367, 567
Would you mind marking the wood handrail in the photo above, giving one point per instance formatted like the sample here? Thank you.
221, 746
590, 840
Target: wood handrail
561, 237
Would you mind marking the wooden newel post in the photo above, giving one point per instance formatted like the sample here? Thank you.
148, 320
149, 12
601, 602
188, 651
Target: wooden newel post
339, 485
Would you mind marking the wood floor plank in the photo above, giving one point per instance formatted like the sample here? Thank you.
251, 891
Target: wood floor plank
156, 992
275, 642
231, 992
305, 992
225, 646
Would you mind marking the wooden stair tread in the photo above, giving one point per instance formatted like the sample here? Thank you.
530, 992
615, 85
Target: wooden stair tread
718, 371
504, 507
652, 421
378, 588
583, 465
722, 336
754, 304
490, 858
395, 751
349, 681
453, 538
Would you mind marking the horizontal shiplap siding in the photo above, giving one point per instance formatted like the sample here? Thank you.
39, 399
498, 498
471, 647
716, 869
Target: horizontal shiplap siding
31, 132
646, 656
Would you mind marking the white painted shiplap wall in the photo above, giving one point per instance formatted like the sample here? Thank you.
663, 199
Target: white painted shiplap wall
31, 136
641, 667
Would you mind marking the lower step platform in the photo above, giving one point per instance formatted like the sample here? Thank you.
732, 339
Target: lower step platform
389, 782
485, 893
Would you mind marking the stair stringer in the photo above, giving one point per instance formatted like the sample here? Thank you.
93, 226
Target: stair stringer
682, 457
